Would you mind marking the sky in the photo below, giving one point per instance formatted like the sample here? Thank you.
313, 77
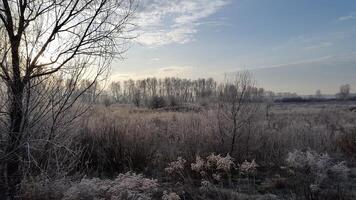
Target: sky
289, 45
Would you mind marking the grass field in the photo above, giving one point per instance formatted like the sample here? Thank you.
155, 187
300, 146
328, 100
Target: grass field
295, 151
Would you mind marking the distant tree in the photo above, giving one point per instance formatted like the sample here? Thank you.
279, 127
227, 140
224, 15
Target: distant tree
344, 92
269, 99
137, 97
115, 88
318, 94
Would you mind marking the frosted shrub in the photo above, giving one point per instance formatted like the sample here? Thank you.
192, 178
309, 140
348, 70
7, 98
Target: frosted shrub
132, 185
314, 188
220, 163
217, 177
212, 160
206, 186
318, 168
214, 167
176, 166
170, 196
86, 189
311, 159
125, 186
43, 188
340, 171
199, 165
225, 163
248, 168
213, 163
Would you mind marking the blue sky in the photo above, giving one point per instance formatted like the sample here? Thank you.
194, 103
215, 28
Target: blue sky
290, 45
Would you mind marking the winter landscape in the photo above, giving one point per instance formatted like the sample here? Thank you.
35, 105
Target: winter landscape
177, 100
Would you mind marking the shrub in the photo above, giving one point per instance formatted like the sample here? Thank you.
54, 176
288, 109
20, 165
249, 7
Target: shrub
316, 172
248, 168
125, 186
173, 101
157, 102
42, 188
170, 196
214, 167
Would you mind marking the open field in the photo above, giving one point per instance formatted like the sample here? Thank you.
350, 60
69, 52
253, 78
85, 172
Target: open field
297, 151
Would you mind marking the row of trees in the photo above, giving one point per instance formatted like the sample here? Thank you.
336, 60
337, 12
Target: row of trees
174, 90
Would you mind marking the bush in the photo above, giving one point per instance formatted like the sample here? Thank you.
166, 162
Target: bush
125, 186
157, 102
173, 101
42, 188
313, 173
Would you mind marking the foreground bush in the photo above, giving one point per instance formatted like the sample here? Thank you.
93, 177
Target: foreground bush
124, 186
318, 175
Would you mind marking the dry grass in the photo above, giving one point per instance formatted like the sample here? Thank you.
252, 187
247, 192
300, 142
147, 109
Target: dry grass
117, 139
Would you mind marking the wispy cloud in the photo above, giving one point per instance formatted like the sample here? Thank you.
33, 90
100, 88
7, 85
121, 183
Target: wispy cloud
164, 22
313, 41
347, 17
319, 46
330, 59
170, 71
155, 59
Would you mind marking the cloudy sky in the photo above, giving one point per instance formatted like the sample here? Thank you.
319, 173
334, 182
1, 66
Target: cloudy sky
289, 45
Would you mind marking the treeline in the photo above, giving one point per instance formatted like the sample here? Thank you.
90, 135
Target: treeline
175, 90
299, 99
171, 91
344, 94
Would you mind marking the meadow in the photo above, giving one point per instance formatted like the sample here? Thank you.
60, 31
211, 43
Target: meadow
281, 151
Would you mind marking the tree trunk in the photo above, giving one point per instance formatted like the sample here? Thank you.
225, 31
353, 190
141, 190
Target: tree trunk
234, 132
13, 173
12, 167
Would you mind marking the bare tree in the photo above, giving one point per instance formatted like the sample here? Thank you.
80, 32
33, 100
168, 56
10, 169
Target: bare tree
42, 38
318, 94
269, 100
236, 105
115, 88
344, 92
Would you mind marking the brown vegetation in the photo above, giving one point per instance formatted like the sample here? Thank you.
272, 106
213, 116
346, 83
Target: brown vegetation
118, 139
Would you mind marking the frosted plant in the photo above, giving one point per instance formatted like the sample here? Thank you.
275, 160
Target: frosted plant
125, 186
217, 177
199, 165
212, 160
314, 187
225, 163
321, 166
296, 159
221, 163
134, 185
319, 161
176, 166
214, 167
300, 159
248, 168
206, 186
170, 196
86, 189
340, 170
